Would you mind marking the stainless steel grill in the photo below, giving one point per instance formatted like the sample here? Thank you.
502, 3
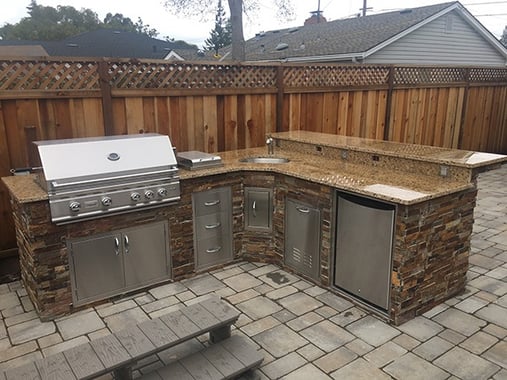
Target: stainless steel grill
95, 177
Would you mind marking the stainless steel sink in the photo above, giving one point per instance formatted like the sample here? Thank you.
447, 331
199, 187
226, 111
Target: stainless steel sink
265, 160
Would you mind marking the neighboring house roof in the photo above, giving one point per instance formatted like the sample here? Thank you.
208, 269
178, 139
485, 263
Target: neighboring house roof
22, 50
110, 43
351, 39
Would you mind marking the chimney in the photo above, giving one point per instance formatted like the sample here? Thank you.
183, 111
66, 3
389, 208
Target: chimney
315, 18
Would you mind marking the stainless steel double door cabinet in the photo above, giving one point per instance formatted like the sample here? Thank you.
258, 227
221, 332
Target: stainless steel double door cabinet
108, 264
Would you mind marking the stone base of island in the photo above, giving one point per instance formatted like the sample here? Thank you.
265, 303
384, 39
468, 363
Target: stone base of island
430, 193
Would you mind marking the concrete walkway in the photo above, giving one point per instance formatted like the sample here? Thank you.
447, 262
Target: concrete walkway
304, 331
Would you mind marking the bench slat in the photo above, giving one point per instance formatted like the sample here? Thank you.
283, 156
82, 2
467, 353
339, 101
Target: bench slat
180, 324
200, 316
220, 309
158, 333
134, 341
223, 360
110, 352
200, 368
55, 367
83, 361
25, 372
173, 371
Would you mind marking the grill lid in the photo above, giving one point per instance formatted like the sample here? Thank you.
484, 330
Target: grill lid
104, 156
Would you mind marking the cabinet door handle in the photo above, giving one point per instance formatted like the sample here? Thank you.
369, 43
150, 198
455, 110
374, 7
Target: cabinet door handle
116, 246
126, 241
304, 210
212, 226
213, 250
254, 209
212, 203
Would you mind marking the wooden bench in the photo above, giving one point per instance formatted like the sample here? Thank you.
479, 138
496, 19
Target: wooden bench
120, 351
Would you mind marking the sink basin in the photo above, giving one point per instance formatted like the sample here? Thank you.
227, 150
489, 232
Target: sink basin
265, 160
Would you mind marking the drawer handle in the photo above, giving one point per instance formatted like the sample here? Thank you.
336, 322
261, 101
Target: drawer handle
304, 210
213, 250
254, 209
212, 203
212, 226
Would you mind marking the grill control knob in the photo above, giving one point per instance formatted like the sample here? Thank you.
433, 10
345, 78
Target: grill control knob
106, 201
135, 196
149, 194
74, 206
162, 192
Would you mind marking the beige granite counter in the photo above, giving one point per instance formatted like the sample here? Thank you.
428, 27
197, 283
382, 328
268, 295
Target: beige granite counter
454, 157
389, 185
386, 183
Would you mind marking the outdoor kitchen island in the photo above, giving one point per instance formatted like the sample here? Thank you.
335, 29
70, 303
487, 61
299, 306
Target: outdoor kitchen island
428, 195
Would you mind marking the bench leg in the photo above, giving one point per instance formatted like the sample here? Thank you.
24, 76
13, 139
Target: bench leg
124, 373
220, 334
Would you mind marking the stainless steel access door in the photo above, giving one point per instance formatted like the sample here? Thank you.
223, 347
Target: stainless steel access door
364, 240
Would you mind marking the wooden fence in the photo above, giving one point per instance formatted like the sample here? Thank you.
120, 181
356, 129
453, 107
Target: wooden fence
216, 107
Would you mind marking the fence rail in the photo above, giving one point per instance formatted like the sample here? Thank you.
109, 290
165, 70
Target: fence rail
215, 107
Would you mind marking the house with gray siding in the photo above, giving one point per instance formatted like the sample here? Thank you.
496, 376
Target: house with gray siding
441, 34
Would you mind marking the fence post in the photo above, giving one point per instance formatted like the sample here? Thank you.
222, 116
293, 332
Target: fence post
389, 100
463, 109
279, 98
107, 100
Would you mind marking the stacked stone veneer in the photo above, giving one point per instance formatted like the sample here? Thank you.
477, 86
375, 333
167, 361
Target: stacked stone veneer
43, 245
430, 256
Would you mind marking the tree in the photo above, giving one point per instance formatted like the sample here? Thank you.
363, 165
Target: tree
203, 8
48, 23
220, 36
119, 22
503, 39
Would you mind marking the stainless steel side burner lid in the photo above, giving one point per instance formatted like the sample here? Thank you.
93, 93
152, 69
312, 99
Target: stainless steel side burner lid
93, 177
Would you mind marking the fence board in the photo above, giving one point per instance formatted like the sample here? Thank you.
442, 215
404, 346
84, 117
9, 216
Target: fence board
210, 125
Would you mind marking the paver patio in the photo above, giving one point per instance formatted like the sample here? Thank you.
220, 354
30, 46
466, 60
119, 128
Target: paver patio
304, 331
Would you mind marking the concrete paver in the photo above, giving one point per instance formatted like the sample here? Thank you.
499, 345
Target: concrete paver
421, 328
466, 365
359, 369
433, 348
30, 330
411, 366
327, 336
299, 303
80, 324
459, 321
284, 365
280, 340
305, 331
373, 331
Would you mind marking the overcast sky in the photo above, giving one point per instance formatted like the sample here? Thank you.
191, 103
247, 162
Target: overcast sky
491, 13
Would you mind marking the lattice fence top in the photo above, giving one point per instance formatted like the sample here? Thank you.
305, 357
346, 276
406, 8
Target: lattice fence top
428, 75
48, 75
61, 75
335, 76
190, 76
483, 75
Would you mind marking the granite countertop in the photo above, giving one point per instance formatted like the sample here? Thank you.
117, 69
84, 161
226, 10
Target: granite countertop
445, 156
381, 183
389, 185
